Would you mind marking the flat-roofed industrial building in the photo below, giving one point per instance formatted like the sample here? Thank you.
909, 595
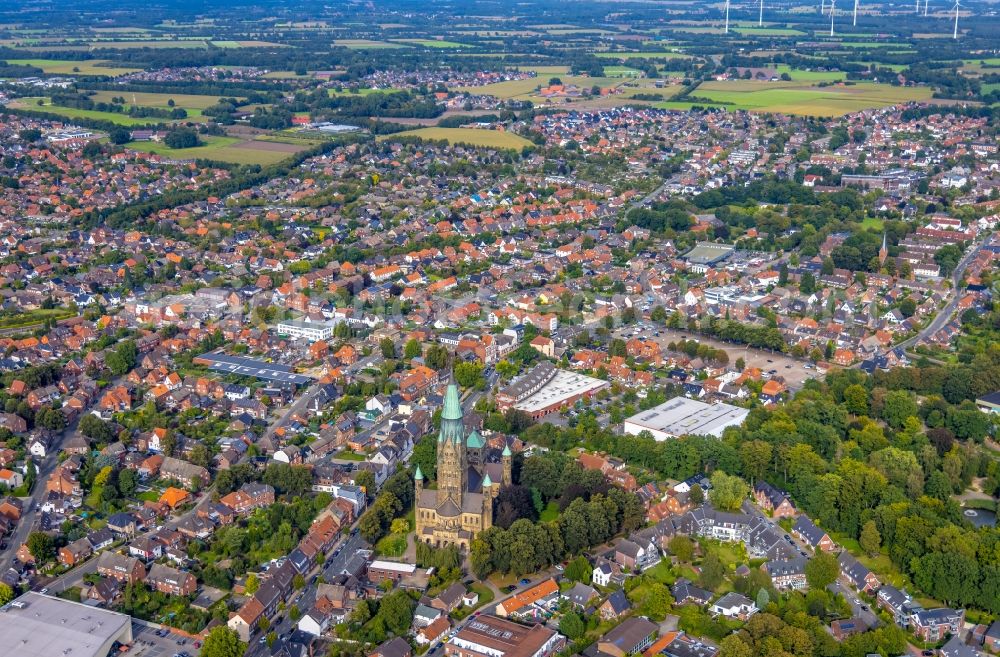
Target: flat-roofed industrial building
681, 416
36, 625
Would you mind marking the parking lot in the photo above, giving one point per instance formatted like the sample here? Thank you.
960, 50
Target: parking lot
795, 372
145, 643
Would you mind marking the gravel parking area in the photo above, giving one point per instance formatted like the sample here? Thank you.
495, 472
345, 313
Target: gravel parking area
794, 371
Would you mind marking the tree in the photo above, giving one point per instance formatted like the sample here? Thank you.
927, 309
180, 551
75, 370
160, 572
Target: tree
807, 283
128, 481
734, 646
366, 480
388, 347
181, 138
697, 495
579, 570
856, 399
572, 625
6, 594
870, 539
412, 349
222, 642
899, 405
252, 584
682, 547
822, 570
755, 456
469, 375
728, 491
41, 546
120, 135
712, 572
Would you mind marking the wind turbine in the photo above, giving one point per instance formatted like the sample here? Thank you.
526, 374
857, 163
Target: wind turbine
855, 13
760, 18
955, 33
727, 16
926, 2
833, 4
822, 7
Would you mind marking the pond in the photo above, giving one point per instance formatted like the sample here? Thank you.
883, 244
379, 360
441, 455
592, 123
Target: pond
980, 517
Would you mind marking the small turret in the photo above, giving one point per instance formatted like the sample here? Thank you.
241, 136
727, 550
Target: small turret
506, 459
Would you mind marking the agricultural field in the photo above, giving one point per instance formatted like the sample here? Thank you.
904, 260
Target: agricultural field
366, 44
247, 44
127, 45
432, 43
799, 75
485, 138
148, 99
31, 103
621, 72
662, 54
225, 149
806, 100
74, 67
768, 31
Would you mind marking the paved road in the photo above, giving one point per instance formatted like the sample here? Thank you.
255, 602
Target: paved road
859, 609
944, 316
31, 512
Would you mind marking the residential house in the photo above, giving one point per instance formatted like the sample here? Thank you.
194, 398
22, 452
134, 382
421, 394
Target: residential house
128, 570
733, 605
171, 581
806, 530
615, 606
852, 570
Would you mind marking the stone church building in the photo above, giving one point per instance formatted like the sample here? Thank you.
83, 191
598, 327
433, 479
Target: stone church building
467, 482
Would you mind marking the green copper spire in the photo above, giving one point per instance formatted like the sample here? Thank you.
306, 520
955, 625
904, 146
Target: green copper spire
475, 441
452, 407
506, 450
487, 482
418, 475
452, 426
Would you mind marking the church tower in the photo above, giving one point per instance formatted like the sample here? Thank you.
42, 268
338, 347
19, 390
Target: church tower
883, 253
452, 463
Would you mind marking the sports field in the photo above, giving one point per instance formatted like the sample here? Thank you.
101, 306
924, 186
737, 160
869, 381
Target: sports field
225, 149
485, 138
72, 67
789, 98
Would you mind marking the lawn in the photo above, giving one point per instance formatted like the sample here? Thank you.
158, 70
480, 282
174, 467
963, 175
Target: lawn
67, 66
550, 512
31, 103
348, 455
149, 99
393, 545
872, 222
222, 149
806, 100
472, 136
485, 597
